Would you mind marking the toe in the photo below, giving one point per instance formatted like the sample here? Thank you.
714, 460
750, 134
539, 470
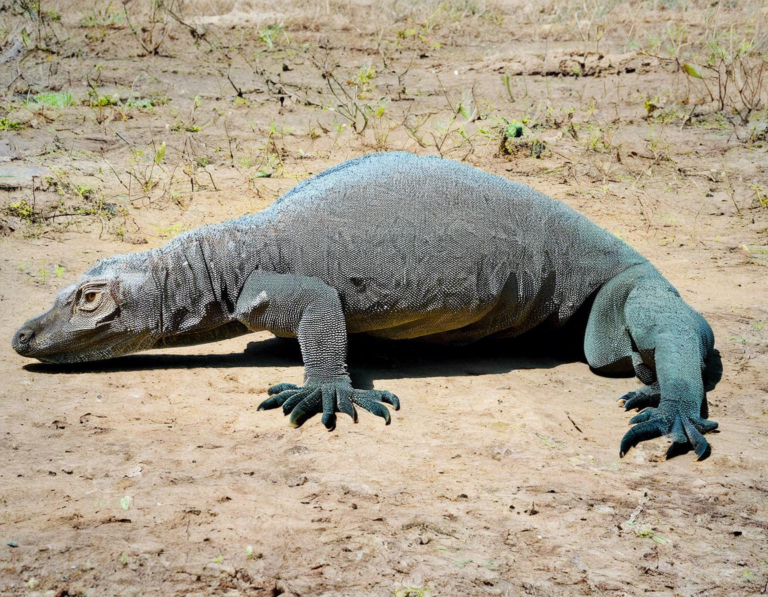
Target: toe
678, 433
329, 420
700, 445
639, 433
390, 398
329, 408
295, 399
638, 401
643, 416
704, 425
344, 403
367, 400
276, 400
281, 387
307, 408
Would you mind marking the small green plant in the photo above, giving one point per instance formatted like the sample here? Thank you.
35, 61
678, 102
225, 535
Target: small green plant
142, 103
143, 166
170, 231
180, 126
513, 130
364, 81
518, 140
656, 145
761, 195
24, 211
271, 32
598, 138
53, 99
85, 192
380, 124
648, 533
101, 101
10, 125
507, 82
104, 17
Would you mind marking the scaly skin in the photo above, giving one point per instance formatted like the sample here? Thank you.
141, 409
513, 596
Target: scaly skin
400, 247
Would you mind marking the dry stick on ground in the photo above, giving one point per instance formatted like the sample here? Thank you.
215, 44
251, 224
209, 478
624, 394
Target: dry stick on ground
448, 128
277, 88
229, 144
155, 47
698, 213
400, 75
120, 180
194, 31
238, 90
731, 192
413, 131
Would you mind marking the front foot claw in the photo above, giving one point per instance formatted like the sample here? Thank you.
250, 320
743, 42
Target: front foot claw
683, 428
328, 397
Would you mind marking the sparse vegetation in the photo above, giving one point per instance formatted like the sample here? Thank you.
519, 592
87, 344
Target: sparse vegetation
105, 16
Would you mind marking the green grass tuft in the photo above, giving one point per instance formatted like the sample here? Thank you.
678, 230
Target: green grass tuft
55, 99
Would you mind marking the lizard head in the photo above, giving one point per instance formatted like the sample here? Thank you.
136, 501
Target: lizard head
97, 318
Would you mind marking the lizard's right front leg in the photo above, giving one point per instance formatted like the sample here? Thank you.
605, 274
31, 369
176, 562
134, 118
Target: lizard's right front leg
309, 309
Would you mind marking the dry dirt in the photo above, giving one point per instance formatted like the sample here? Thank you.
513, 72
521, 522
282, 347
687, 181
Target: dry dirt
156, 475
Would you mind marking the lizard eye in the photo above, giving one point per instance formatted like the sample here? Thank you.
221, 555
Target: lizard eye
90, 300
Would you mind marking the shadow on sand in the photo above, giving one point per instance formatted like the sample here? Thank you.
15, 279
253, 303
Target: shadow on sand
370, 359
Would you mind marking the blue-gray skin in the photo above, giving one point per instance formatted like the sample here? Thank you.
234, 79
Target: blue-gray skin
395, 246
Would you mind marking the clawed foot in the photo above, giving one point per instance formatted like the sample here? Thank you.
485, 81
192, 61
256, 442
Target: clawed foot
327, 397
682, 427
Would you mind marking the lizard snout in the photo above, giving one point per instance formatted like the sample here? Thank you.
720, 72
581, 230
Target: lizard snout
22, 338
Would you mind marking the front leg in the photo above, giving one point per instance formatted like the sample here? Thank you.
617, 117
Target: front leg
310, 310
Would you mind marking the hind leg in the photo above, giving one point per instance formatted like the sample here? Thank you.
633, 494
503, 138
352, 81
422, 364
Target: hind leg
639, 322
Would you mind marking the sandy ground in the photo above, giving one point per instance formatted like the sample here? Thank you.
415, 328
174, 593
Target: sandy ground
155, 474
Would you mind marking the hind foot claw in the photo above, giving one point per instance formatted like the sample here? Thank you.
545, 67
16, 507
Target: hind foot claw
683, 427
641, 398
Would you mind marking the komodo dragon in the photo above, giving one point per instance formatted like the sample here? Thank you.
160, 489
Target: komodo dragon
396, 246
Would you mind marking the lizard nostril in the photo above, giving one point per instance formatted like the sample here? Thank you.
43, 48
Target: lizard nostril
24, 335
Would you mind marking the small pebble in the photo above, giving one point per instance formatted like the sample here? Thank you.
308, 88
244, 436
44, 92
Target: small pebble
12, 544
